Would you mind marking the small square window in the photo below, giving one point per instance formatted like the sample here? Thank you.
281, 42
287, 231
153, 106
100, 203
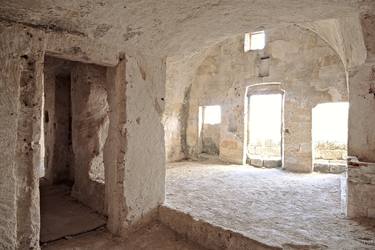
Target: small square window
254, 41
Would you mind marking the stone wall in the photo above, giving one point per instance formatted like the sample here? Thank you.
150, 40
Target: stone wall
361, 137
308, 70
360, 189
58, 163
136, 183
21, 54
89, 132
211, 139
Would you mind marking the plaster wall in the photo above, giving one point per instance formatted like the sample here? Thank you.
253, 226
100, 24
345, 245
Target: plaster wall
308, 69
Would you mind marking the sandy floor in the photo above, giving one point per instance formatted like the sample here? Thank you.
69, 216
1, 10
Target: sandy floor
155, 237
267, 205
62, 215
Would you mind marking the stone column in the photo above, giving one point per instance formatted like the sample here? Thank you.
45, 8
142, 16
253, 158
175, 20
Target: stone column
297, 135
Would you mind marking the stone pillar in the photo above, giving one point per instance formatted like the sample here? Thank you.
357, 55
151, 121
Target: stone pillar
21, 85
134, 152
145, 156
361, 138
297, 135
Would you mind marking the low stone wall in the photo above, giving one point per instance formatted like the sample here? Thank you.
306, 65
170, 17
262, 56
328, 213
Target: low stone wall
265, 162
360, 188
330, 166
330, 151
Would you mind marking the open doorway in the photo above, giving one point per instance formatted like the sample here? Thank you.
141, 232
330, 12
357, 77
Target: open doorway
75, 127
264, 130
329, 137
210, 121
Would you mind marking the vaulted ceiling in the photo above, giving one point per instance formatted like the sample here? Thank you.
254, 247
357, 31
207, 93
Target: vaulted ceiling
168, 26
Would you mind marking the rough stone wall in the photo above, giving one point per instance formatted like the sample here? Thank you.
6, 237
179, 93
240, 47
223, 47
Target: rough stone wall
309, 71
49, 120
360, 189
360, 185
211, 139
140, 162
20, 90
57, 114
115, 147
134, 152
89, 131
144, 160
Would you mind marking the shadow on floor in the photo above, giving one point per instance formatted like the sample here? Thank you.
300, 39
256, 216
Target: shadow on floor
62, 215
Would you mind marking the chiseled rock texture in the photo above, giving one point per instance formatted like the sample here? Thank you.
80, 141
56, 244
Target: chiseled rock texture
142, 189
89, 131
20, 108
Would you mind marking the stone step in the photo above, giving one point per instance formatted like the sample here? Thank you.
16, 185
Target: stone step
208, 235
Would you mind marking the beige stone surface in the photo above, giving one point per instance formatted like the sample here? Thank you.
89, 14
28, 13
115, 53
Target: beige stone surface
63, 216
152, 36
270, 206
169, 27
154, 237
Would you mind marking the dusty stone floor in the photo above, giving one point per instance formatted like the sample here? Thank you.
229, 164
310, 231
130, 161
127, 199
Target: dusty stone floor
154, 237
268, 205
62, 215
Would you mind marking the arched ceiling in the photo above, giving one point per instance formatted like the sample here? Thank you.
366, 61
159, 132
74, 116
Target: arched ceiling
169, 27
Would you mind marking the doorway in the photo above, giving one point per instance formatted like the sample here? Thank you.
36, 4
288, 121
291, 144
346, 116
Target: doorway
264, 148
210, 121
329, 137
75, 127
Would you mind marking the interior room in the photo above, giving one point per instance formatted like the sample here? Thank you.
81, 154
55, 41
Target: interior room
187, 125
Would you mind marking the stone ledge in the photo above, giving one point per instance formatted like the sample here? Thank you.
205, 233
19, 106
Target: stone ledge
330, 167
206, 234
360, 188
265, 163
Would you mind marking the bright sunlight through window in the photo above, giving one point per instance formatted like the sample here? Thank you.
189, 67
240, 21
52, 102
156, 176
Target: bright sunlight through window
265, 118
212, 114
330, 123
255, 41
